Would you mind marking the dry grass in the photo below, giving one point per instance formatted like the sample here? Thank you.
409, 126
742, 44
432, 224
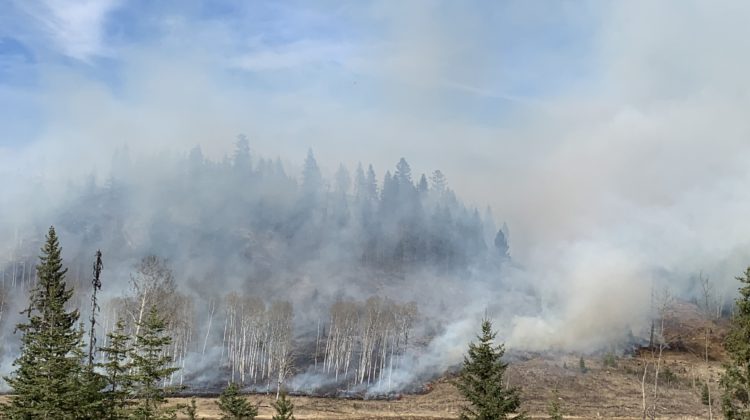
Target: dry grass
603, 392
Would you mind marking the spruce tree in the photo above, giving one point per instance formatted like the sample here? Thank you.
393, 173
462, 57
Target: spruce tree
90, 385
118, 381
234, 406
47, 380
554, 409
151, 366
735, 382
481, 380
284, 408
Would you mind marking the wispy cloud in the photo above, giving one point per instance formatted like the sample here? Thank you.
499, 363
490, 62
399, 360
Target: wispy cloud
75, 28
291, 55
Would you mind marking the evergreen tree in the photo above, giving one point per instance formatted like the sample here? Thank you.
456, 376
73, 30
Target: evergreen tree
284, 408
389, 194
343, 180
371, 184
554, 409
241, 159
439, 183
47, 381
90, 384
735, 382
235, 407
422, 186
118, 382
501, 245
481, 380
151, 366
360, 183
312, 180
403, 174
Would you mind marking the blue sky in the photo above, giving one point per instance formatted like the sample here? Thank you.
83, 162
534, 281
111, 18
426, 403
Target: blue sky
541, 109
472, 61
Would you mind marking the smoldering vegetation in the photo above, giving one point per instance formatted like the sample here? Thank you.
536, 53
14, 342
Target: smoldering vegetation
357, 283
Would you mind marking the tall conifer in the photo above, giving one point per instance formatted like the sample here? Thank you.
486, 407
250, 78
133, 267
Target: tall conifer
481, 380
47, 379
735, 382
151, 368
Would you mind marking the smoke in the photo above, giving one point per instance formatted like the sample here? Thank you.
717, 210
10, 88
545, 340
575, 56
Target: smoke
611, 138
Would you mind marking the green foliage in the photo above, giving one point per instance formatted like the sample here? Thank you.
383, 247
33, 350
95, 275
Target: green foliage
49, 378
151, 366
609, 360
735, 382
705, 395
284, 408
668, 376
91, 384
582, 365
118, 382
234, 406
481, 380
555, 409
191, 410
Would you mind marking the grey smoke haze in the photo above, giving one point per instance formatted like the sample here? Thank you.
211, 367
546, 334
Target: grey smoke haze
611, 137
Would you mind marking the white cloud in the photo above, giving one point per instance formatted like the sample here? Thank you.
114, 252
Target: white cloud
74, 27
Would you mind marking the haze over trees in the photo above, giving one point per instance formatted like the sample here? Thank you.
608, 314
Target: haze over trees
55, 379
230, 252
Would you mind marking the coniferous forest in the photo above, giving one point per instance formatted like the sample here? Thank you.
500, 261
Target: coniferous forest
276, 276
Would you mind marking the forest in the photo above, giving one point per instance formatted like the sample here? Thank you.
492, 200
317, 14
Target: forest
313, 282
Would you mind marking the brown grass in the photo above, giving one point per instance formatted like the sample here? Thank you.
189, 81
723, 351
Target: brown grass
603, 392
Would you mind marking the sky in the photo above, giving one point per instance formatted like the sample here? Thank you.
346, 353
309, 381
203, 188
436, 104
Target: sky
612, 137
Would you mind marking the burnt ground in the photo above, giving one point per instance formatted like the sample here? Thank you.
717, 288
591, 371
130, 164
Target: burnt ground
609, 388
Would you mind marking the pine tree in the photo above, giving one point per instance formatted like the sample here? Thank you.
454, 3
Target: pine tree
235, 407
90, 384
47, 381
118, 382
735, 382
481, 380
284, 408
151, 367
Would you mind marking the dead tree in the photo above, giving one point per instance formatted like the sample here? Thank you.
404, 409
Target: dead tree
3, 294
707, 300
96, 285
664, 302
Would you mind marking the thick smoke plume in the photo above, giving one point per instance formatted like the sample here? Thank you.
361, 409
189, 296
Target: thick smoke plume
611, 138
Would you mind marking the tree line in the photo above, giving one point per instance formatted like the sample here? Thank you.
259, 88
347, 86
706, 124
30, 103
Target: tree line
56, 376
